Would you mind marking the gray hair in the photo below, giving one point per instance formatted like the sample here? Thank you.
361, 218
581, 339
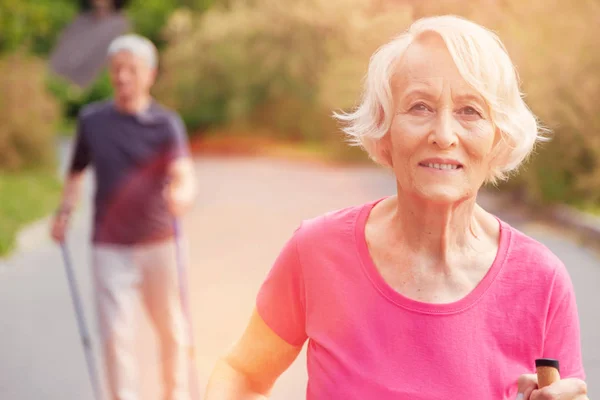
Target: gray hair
136, 45
482, 60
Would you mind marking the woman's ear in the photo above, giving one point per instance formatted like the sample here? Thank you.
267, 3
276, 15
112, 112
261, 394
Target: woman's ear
384, 150
501, 151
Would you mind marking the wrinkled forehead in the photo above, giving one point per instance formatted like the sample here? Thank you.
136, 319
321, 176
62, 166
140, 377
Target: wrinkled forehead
428, 66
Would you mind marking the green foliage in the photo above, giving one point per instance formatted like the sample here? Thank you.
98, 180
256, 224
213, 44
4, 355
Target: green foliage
150, 16
33, 24
26, 196
72, 98
37, 24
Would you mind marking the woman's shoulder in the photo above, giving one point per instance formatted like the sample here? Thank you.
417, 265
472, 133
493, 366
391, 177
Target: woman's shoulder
524, 251
337, 223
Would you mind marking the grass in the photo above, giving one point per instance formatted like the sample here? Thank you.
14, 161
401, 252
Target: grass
26, 197
591, 209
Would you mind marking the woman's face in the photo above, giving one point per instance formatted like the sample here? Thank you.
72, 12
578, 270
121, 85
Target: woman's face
441, 137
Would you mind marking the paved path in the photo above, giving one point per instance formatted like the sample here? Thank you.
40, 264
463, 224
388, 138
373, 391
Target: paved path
247, 209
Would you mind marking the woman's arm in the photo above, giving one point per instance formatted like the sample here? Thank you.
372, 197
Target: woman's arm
253, 365
562, 341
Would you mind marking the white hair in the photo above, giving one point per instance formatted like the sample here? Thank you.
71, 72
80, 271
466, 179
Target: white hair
482, 61
136, 45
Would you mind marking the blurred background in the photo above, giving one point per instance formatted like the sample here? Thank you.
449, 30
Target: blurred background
246, 74
261, 78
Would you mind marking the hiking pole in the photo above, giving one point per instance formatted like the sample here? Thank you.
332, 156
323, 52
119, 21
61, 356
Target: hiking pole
183, 294
83, 331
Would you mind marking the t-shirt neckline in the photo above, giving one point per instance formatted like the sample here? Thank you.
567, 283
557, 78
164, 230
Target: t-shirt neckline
141, 115
418, 306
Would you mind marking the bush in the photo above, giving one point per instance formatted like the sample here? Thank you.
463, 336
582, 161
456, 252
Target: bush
236, 61
149, 16
559, 66
34, 25
234, 65
29, 114
72, 98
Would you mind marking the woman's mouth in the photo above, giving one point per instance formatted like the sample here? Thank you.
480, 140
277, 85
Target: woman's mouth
441, 166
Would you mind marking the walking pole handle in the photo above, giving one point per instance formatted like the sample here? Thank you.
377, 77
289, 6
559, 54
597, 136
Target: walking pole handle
548, 371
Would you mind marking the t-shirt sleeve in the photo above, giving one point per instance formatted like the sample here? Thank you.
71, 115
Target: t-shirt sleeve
562, 333
177, 143
81, 154
281, 298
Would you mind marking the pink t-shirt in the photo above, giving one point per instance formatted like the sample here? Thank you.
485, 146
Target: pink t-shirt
367, 341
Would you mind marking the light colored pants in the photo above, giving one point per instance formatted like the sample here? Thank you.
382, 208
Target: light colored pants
122, 276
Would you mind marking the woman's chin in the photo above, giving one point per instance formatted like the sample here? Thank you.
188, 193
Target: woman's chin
443, 194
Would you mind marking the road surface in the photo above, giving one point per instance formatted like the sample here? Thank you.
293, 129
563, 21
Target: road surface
246, 211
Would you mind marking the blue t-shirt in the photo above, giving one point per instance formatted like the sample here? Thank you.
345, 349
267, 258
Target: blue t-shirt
130, 155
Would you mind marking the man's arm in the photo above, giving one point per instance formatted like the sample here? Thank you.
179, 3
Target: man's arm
71, 192
72, 186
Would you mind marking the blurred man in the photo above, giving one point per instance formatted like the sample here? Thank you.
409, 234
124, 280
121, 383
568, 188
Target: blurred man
144, 178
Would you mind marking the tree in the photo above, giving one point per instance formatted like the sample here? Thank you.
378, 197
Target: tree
33, 24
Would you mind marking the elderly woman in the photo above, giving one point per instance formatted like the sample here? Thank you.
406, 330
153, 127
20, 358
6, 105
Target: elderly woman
421, 295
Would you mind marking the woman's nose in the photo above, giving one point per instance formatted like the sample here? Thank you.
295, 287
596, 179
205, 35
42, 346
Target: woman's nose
443, 134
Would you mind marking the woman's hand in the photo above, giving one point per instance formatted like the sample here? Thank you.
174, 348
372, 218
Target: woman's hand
565, 389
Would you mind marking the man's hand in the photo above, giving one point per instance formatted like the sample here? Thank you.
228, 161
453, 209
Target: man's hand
180, 192
59, 225
565, 389
178, 198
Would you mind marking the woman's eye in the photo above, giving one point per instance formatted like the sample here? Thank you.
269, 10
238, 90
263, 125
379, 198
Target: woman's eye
420, 107
470, 111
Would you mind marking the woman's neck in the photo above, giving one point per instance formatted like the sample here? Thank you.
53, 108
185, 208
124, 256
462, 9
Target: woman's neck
435, 231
